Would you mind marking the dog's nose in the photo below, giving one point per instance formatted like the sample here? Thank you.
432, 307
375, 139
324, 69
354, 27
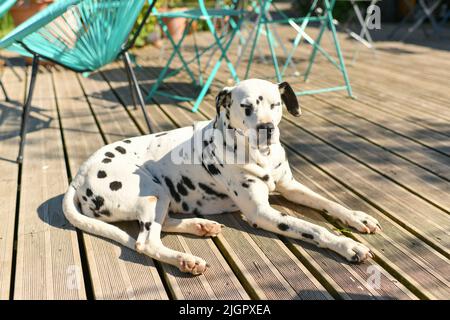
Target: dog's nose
268, 127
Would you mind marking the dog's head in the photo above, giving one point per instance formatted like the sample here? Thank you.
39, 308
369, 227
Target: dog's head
254, 107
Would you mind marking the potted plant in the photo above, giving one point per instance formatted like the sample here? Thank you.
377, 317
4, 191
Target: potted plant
24, 9
175, 25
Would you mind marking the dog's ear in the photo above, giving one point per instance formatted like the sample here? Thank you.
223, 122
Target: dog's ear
223, 99
289, 99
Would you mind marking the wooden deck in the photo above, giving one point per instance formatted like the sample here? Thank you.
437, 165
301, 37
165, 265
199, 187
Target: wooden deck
387, 153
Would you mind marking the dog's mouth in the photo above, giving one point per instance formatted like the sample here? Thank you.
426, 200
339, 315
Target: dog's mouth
265, 137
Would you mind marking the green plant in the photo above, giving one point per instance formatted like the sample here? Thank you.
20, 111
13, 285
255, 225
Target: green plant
148, 28
151, 24
6, 25
341, 10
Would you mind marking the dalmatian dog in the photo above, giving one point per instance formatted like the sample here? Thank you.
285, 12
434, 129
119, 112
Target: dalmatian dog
196, 170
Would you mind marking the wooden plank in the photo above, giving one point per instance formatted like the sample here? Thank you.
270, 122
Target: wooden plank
116, 272
10, 118
48, 259
424, 140
182, 287
375, 103
411, 177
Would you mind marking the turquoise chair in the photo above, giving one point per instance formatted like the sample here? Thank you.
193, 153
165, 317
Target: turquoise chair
222, 42
81, 35
5, 5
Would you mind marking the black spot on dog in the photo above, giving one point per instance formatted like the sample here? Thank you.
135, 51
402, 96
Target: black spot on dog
235, 193
84, 198
101, 174
283, 214
248, 112
255, 225
265, 178
278, 165
172, 190
260, 98
147, 225
89, 192
250, 180
307, 236
106, 160
211, 191
127, 141
161, 134
245, 184
188, 182
213, 169
196, 211
204, 167
185, 206
156, 180
121, 149
199, 203
98, 202
365, 222
109, 154
115, 185
283, 226
105, 212
205, 143
181, 189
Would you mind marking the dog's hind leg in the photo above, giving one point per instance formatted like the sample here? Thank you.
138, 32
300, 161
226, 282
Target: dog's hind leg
196, 226
145, 221
155, 248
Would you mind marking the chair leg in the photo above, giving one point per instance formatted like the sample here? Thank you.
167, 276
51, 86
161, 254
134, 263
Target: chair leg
4, 91
26, 108
127, 61
130, 83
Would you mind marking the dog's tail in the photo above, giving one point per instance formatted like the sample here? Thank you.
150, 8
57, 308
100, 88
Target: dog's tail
92, 225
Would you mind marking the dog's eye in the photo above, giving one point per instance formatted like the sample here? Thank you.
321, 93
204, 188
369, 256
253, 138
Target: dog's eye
248, 109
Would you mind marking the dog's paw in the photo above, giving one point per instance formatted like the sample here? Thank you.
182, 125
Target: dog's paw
271, 184
363, 222
207, 228
139, 247
352, 250
191, 264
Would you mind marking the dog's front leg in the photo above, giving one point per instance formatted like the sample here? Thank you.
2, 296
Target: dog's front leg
298, 193
254, 204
